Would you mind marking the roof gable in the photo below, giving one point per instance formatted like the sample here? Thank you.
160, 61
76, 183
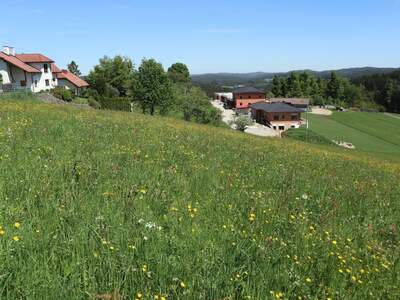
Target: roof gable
245, 90
75, 80
276, 107
34, 58
18, 63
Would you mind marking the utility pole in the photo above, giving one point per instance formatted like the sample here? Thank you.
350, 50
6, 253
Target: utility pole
307, 124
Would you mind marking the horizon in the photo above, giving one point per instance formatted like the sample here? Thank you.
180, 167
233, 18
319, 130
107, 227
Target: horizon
313, 36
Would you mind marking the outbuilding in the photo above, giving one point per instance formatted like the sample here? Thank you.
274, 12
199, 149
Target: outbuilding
279, 116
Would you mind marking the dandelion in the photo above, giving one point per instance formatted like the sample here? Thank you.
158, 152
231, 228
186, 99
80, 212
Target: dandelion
144, 268
353, 278
163, 298
308, 280
182, 284
17, 225
139, 295
334, 242
252, 217
279, 295
16, 238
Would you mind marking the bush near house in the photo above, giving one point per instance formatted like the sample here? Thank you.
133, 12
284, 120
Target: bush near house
63, 94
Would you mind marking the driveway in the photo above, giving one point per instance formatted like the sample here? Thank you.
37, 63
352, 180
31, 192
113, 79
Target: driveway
261, 130
228, 115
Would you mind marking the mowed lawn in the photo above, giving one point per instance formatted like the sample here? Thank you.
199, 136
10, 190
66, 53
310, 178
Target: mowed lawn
109, 205
370, 132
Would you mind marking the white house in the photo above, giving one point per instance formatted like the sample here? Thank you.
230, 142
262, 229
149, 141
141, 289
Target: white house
34, 72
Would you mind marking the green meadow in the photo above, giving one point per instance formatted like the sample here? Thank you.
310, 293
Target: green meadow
113, 205
376, 133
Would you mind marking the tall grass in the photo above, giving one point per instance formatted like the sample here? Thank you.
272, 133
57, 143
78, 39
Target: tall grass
102, 205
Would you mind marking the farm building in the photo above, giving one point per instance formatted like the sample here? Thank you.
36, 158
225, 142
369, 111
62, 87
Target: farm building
33, 72
296, 102
243, 97
223, 97
279, 116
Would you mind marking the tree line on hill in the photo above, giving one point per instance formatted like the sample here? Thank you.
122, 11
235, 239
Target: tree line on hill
384, 89
115, 83
374, 92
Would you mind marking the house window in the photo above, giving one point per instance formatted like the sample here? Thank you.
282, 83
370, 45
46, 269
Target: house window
46, 68
276, 117
47, 82
241, 104
35, 83
294, 117
241, 97
281, 127
249, 96
23, 82
54, 80
282, 117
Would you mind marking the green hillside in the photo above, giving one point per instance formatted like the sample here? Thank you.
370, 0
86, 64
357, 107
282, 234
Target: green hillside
107, 205
371, 132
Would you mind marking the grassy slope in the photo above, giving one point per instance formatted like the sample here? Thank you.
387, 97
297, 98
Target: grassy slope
239, 216
371, 132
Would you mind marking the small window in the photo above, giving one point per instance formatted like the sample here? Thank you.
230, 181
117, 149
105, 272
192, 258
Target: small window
23, 82
46, 68
249, 96
260, 96
241, 97
276, 117
294, 117
54, 80
35, 83
241, 104
282, 117
47, 82
281, 127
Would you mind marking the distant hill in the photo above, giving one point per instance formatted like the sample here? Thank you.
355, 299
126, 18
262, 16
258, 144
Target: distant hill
262, 78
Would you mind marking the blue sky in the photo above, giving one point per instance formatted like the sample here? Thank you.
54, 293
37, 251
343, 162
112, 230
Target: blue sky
210, 35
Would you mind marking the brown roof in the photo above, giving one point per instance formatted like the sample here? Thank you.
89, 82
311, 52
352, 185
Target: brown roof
54, 68
18, 63
294, 101
75, 80
34, 58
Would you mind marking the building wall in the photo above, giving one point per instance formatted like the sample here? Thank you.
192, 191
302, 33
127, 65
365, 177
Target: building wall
4, 72
68, 85
42, 77
285, 119
246, 99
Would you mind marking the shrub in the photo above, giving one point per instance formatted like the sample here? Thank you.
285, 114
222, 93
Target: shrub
93, 103
242, 122
122, 104
63, 94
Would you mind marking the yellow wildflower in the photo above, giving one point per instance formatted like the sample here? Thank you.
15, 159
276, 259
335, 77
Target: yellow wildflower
2, 232
16, 238
17, 225
334, 242
182, 284
308, 280
252, 217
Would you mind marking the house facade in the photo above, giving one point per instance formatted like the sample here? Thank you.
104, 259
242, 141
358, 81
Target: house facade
245, 96
279, 116
303, 103
33, 72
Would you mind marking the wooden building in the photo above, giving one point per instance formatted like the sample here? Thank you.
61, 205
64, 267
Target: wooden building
245, 96
279, 116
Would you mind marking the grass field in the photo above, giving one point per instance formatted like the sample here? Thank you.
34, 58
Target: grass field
106, 205
371, 132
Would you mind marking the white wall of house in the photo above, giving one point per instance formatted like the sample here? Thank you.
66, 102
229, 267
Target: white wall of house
18, 76
4, 72
42, 81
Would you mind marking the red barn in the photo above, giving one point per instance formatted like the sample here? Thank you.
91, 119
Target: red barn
245, 96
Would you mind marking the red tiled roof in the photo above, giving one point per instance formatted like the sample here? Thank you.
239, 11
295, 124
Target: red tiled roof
18, 63
75, 80
34, 58
54, 68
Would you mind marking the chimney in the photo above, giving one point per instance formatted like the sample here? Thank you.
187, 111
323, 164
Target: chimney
9, 50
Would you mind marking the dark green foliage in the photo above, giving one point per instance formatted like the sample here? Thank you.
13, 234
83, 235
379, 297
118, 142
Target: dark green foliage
93, 103
336, 90
112, 76
63, 94
74, 68
384, 89
153, 88
121, 103
179, 73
